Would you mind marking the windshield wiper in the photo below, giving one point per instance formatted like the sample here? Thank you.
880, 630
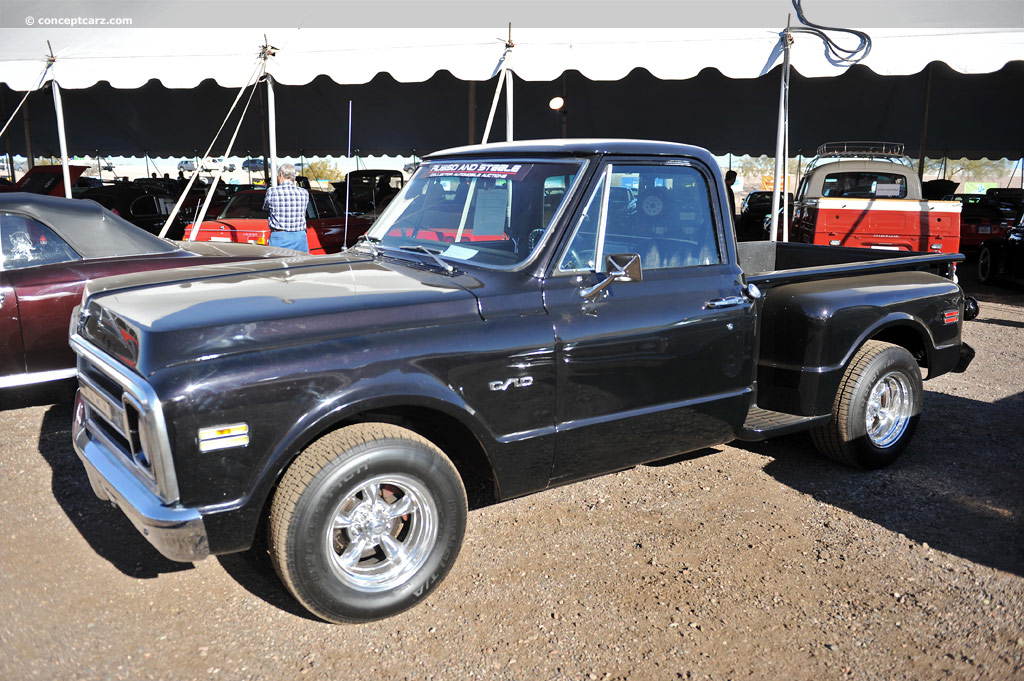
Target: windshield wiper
373, 241
420, 248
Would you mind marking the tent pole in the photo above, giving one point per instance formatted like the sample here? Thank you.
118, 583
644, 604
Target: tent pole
924, 122
508, 106
565, 109
265, 144
272, 128
62, 137
10, 157
780, 139
471, 106
348, 185
31, 162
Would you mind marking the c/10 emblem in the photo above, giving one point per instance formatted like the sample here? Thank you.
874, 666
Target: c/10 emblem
521, 382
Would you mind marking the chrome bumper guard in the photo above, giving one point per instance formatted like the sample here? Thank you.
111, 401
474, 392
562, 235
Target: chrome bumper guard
176, 532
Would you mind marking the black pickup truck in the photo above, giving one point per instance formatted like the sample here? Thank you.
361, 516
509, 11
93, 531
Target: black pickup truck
521, 316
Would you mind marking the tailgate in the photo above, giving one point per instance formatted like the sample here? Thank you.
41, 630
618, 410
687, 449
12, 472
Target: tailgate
889, 224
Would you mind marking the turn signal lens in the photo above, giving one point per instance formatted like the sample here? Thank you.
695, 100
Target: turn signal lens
223, 437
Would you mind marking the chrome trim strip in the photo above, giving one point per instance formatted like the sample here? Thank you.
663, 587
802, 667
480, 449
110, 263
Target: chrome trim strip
151, 414
37, 377
645, 411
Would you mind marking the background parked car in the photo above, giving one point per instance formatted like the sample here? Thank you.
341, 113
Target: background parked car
49, 248
369, 191
755, 207
981, 218
214, 165
255, 165
243, 220
1003, 257
142, 206
45, 180
187, 165
1010, 199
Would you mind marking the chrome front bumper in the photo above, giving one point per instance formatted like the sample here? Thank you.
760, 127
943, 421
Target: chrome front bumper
175, 531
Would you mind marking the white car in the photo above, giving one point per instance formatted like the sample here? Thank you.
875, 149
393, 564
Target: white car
213, 165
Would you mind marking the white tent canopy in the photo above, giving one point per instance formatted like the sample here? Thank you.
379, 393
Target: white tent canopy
129, 58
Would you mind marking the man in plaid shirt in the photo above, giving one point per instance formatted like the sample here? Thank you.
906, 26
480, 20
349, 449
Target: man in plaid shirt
287, 205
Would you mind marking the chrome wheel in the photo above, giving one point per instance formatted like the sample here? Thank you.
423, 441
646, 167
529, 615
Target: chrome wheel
889, 409
382, 532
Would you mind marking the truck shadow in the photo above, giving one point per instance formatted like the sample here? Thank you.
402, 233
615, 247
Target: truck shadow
107, 530
957, 487
254, 572
38, 395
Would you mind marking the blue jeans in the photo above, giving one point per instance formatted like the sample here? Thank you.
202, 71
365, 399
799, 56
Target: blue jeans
293, 240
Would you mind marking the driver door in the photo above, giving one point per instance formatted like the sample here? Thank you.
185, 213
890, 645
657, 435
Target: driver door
656, 365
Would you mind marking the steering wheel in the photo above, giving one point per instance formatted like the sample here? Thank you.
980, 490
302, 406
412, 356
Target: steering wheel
534, 237
575, 261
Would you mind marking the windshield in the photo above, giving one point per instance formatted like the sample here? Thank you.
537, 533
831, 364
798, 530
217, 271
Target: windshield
245, 205
492, 213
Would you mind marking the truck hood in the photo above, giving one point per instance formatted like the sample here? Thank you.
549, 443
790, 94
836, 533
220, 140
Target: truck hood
158, 319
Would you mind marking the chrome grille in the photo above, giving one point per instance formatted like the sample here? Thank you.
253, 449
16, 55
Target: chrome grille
122, 414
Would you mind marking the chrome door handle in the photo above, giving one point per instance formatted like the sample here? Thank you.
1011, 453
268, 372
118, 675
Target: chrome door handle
731, 301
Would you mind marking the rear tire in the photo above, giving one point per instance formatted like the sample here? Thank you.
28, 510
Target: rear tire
985, 265
876, 409
366, 522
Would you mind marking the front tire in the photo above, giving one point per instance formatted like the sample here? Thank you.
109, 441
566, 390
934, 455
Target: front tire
876, 409
366, 522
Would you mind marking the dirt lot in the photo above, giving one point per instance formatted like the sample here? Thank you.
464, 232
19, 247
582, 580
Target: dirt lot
738, 562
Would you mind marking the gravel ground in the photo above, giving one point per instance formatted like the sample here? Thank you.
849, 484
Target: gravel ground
751, 561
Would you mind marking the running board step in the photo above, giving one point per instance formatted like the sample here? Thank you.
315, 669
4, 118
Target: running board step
762, 424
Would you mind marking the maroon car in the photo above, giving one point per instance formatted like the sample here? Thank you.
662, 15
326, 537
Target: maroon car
49, 248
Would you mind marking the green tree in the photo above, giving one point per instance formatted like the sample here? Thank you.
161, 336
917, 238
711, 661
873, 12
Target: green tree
323, 170
966, 170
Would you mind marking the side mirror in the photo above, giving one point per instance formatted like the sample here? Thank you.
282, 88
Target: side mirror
623, 267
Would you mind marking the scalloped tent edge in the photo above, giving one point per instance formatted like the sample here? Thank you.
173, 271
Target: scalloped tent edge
702, 87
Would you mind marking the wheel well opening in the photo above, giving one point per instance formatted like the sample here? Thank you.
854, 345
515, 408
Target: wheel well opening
453, 438
907, 338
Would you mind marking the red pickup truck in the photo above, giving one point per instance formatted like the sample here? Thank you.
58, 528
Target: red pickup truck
868, 195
